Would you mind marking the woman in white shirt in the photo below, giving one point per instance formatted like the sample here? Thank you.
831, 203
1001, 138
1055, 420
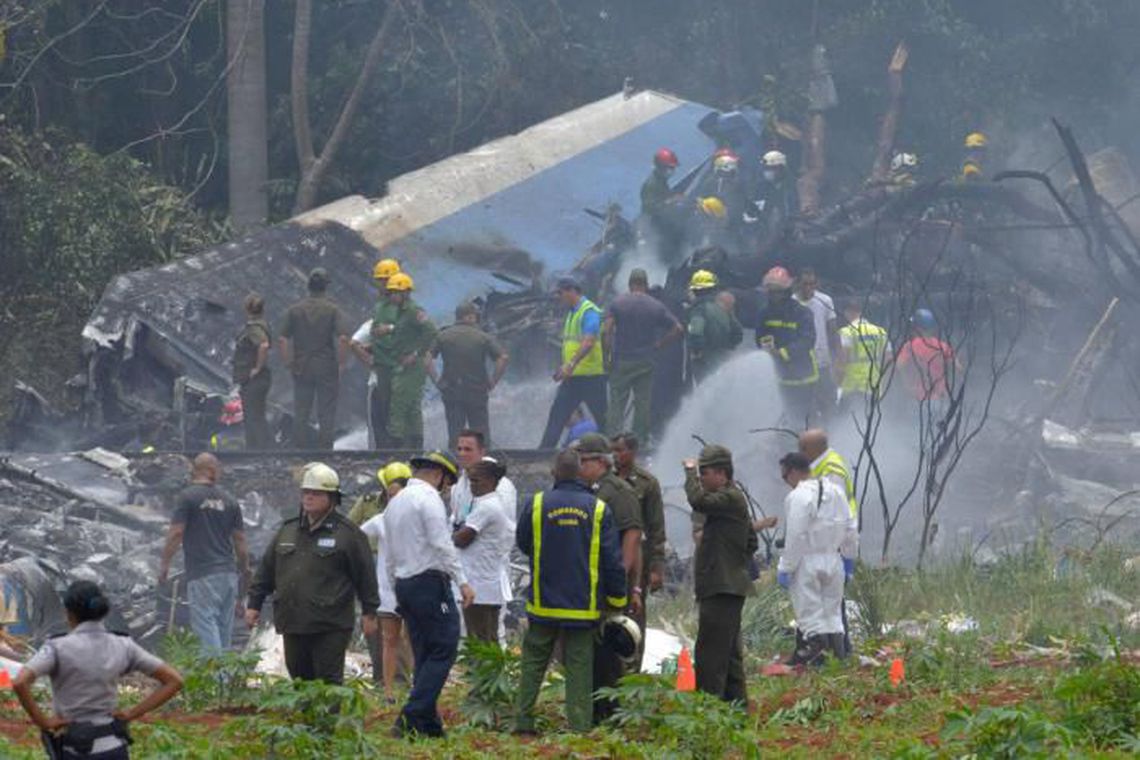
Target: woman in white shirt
391, 625
484, 539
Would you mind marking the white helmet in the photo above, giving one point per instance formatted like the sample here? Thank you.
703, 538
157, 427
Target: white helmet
320, 477
622, 636
774, 158
903, 161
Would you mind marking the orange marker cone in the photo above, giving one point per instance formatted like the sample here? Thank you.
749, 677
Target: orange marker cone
5, 679
686, 676
898, 672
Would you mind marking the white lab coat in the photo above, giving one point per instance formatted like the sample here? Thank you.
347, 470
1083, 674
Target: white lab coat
821, 532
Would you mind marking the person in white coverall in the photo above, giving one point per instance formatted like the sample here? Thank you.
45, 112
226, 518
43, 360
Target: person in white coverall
819, 554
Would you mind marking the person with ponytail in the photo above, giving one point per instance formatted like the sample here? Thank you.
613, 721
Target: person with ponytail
84, 666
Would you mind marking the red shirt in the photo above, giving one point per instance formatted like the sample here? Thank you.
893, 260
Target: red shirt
924, 362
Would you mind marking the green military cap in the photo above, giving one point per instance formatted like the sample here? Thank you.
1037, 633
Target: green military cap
715, 455
592, 443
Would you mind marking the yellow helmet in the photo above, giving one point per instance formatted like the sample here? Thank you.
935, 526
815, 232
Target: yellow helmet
970, 169
702, 279
400, 282
393, 471
385, 268
976, 140
713, 206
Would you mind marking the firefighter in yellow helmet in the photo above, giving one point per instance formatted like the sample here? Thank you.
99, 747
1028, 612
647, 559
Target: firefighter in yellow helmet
712, 330
976, 145
375, 351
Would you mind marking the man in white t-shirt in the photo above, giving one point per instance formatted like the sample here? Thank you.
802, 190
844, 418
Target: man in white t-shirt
484, 539
827, 344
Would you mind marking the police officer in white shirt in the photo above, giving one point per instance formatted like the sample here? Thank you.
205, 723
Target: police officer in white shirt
421, 562
485, 538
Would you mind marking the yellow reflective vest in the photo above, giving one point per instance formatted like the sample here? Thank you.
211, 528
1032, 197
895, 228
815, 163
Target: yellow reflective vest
592, 363
831, 463
865, 352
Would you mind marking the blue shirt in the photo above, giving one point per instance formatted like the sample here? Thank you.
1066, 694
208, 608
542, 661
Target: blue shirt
591, 323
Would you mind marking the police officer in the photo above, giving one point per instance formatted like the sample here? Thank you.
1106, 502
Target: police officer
571, 540
786, 330
581, 376
712, 331
722, 578
412, 333
464, 385
384, 361
652, 508
251, 372
597, 470
316, 568
314, 346
85, 666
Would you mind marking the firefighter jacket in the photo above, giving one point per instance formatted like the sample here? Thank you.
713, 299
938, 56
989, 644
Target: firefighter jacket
575, 556
790, 328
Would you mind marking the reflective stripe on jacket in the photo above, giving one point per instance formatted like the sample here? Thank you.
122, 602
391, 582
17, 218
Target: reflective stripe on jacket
791, 328
865, 351
575, 556
831, 463
591, 363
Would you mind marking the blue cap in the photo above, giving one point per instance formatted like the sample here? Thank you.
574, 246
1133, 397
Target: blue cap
924, 318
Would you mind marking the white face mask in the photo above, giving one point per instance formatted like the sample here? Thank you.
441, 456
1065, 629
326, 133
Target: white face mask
770, 175
668, 170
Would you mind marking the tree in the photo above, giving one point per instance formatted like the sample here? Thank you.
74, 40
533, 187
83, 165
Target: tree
246, 114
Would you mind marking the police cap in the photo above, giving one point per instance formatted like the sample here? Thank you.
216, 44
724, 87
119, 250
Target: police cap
592, 444
715, 455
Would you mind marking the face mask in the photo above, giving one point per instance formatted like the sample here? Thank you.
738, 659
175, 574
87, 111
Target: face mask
668, 171
769, 175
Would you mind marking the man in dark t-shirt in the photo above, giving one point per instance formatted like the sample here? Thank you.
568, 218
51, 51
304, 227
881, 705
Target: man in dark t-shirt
637, 325
207, 525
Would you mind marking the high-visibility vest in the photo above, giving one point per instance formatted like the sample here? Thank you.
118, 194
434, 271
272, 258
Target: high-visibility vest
592, 363
545, 574
831, 463
864, 356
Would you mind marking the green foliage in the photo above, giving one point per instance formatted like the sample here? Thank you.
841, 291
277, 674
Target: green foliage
1102, 702
1006, 732
684, 724
493, 675
802, 713
223, 681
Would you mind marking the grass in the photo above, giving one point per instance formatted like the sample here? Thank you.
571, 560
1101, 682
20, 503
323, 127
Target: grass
1045, 673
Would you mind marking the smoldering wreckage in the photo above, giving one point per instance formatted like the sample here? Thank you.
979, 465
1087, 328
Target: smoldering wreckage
87, 493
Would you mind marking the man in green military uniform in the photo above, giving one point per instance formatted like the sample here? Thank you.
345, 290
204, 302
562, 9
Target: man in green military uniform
411, 334
597, 470
712, 331
463, 384
721, 573
652, 508
314, 346
316, 568
251, 372
380, 355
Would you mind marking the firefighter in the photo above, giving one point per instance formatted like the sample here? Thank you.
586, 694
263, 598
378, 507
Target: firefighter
776, 196
383, 360
786, 330
581, 376
977, 146
712, 331
412, 334
664, 223
569, 536
655, 191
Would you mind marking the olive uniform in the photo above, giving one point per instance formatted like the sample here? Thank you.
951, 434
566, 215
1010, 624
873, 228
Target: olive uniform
464, 384
620, 497
648, 491
414, 333
711, 334
315, 324
721, 579
385, 362
254, 390
315, 577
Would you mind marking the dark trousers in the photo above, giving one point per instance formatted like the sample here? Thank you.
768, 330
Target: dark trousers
608, 668
720, 655
428, 608
579, 389
376, 655
379, 405
321, 387
482, 621
254, 403
316, 656
467, 410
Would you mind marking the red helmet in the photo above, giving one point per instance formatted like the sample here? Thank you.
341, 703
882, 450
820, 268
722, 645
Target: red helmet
729, 152
665, 157
778, 278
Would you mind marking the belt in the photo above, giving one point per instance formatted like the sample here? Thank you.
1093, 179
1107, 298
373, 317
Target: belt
439, 574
